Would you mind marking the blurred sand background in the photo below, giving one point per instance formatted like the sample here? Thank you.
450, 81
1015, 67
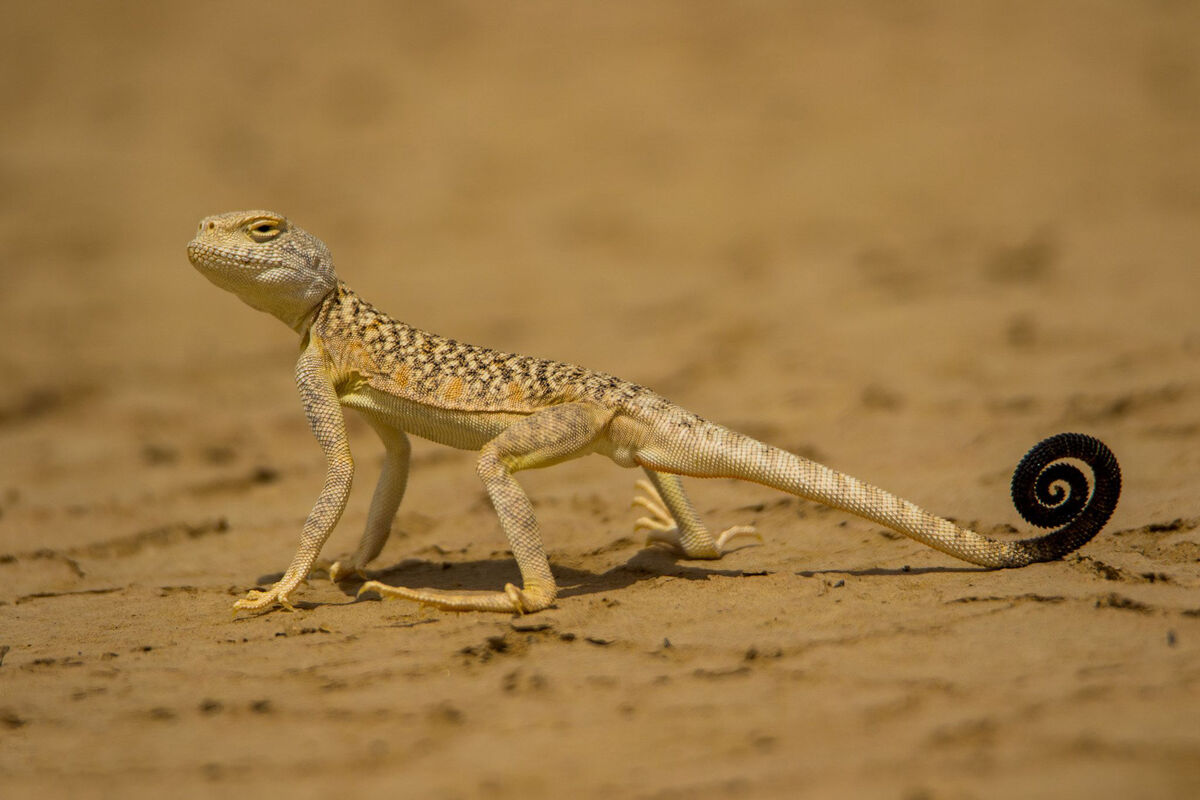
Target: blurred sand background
908, 238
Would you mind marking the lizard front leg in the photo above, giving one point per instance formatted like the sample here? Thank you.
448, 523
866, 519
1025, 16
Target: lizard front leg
388, 493
329, 426
546, 437
674, 523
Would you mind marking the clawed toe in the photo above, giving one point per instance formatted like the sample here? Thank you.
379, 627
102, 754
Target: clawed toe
701, 546
736, 532
665, 538
339, 572
656, 525
663, 531
660, 518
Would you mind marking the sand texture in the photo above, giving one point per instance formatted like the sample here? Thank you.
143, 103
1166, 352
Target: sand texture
909, 239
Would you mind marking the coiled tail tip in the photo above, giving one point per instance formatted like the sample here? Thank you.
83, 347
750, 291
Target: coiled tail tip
1050, 491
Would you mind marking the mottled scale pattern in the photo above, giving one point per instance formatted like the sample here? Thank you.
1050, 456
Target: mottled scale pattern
398, 358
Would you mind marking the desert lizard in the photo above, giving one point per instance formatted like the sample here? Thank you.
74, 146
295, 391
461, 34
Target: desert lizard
521, 412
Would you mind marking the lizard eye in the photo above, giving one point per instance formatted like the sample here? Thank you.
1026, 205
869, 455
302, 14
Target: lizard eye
265, 230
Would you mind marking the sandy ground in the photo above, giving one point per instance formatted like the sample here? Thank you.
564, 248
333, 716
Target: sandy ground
908, 239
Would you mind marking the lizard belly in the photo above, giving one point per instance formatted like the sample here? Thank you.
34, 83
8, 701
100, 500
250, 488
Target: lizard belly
467, 430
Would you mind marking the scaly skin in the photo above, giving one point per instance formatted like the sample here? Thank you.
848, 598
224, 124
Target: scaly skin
521, 412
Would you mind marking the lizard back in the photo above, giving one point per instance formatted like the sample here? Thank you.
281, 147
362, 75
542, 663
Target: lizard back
365, 344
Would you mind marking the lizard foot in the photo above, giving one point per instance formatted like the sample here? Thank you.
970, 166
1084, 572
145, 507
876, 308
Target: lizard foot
672, 540
664, 530
257, 600
511, 601
660, 519
339, 572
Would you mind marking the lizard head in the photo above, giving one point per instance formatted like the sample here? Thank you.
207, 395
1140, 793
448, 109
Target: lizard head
265, 260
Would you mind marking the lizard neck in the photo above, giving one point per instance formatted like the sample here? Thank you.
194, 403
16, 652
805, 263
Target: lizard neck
303, 324
341, 304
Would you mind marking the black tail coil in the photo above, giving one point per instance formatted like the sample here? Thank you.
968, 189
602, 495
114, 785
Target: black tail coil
1049, 491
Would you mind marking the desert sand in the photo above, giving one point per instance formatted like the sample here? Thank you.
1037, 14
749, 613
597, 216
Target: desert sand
909, 239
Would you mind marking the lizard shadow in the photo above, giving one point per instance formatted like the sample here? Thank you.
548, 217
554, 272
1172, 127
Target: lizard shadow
491, 574
889, 571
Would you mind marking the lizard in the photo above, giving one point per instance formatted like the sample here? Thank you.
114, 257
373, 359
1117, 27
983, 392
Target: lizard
520, 412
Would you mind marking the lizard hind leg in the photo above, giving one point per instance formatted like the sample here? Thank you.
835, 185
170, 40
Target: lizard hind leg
544, 438
674, 524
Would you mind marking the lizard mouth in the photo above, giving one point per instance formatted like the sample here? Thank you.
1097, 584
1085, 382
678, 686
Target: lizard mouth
209, 256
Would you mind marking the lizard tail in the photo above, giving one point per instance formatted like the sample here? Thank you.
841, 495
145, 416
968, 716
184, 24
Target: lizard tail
1048, 491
